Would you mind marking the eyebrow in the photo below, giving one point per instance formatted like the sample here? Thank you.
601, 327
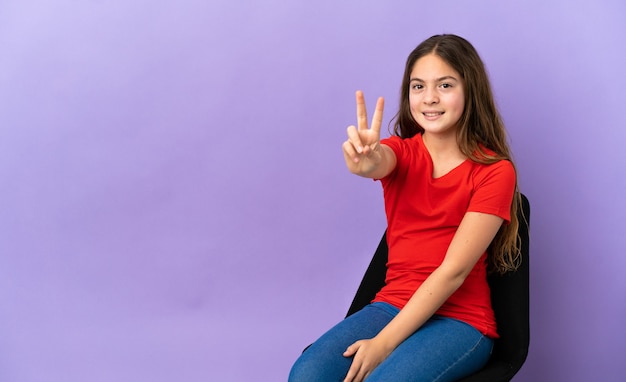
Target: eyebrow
444, 78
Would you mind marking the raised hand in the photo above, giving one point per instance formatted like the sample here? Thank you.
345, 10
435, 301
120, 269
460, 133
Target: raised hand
362, 149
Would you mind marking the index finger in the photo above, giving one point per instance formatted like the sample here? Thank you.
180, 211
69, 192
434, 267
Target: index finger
377, 119
361, 112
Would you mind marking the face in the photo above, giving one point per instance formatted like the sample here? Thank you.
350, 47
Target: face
436, 96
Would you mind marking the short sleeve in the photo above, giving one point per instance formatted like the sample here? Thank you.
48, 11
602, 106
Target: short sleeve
494, 186
407, 152
396, 144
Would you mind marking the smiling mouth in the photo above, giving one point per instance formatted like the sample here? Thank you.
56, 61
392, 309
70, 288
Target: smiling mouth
432, 114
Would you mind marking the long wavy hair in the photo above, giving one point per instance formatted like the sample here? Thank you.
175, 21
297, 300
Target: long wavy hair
479, 127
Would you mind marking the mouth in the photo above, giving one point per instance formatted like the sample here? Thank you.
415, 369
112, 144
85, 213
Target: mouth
432, 114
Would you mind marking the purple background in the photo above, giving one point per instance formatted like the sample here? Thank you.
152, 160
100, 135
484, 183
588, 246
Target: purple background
174, 204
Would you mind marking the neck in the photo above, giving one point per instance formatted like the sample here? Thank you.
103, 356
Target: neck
444, 154
442, 146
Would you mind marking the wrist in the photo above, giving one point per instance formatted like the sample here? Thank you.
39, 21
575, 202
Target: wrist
385, 342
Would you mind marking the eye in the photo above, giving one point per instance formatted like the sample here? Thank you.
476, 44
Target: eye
417, 86
446, 85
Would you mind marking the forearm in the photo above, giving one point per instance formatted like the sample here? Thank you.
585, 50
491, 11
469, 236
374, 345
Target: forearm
426, 300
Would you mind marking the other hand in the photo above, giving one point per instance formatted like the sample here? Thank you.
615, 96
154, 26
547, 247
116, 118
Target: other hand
368, 354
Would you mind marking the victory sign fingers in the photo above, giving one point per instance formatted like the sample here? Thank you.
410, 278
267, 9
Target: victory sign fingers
364, 138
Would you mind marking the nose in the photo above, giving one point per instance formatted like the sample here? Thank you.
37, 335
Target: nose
430, 96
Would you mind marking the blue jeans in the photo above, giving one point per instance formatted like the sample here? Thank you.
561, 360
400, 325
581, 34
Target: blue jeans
443, 349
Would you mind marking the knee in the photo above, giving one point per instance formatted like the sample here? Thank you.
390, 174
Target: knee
315, 368
302, 371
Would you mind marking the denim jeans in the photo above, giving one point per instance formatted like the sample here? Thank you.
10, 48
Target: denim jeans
443, 349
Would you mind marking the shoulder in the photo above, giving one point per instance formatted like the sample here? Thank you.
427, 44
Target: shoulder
502, 167
501, 171
493, 188
409, 155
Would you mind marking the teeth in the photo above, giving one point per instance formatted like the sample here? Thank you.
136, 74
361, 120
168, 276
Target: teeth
432, 114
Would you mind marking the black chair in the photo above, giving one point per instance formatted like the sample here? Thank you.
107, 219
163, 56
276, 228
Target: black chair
509, 297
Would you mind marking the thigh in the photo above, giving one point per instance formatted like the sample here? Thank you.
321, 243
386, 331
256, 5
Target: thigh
443, 349
324, 361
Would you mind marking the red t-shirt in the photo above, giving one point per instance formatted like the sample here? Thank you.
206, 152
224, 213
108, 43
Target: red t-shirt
423, 214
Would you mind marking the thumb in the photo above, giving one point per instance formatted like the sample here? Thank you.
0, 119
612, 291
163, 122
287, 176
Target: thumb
374, 146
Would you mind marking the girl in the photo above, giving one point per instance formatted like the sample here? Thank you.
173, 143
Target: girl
450, 194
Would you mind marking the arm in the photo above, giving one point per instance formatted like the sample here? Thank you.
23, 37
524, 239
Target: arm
364, 154
471, 240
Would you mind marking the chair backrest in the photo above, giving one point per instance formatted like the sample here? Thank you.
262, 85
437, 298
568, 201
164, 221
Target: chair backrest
509, 298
